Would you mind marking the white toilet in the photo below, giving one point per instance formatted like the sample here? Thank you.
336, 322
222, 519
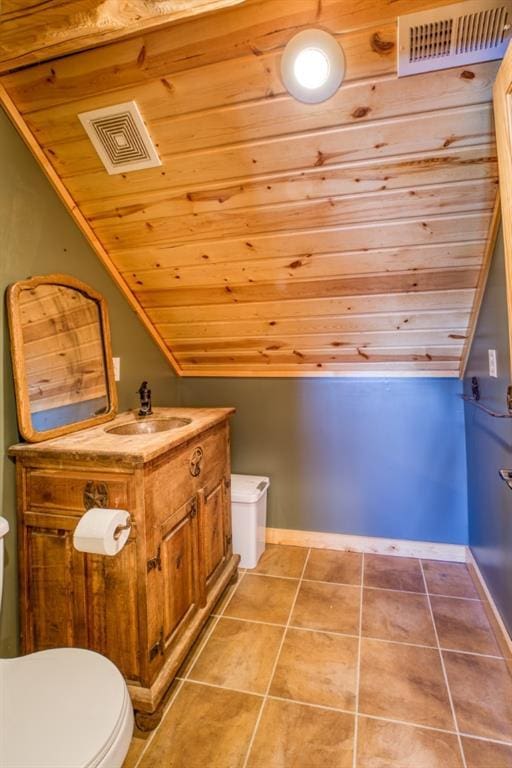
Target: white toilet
62, 708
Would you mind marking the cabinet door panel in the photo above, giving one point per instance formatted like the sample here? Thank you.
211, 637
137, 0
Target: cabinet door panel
180, 570
112, 615
56, 578
197, 465
214, 535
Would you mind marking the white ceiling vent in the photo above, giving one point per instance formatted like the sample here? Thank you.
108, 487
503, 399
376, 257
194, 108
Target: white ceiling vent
120, 138
454, 35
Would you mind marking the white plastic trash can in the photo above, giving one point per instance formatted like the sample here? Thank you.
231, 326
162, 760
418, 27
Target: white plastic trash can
249, 517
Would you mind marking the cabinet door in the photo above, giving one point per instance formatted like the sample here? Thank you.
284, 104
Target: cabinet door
112, 610
179, 558
215, 531
55, 589
77, 599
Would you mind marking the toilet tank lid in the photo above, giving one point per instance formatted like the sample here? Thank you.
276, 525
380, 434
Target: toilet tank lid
248, 488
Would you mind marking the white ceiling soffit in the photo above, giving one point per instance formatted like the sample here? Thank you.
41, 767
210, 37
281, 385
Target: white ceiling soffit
120, 138
454, 35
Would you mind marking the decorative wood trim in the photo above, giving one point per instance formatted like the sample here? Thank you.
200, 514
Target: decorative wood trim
494, 229
501, 96
48, 30
369, 544
82, 223
352, 373
499, 625
25, 425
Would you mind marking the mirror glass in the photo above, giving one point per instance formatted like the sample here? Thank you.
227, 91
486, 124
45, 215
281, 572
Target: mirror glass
60, 357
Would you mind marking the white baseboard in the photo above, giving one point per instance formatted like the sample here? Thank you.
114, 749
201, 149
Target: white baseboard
470, 558
426, 550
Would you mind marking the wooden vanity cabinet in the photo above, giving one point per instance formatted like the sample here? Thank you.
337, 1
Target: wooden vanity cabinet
144, 607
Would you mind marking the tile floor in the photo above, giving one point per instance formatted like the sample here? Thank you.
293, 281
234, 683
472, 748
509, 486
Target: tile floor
339, 660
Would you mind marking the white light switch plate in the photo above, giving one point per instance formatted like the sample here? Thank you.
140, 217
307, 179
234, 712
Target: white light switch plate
117, 368
493, 364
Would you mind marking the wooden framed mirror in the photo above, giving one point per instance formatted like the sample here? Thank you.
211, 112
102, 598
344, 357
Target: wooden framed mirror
61, 356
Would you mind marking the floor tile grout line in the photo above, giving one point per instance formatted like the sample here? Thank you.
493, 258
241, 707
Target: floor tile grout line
274, 667
201, 646
410, 724
267, 695
182, 680
348, 634
358, 667
486, 738
207, 636
445, 674
224, 687
153, 733
368, 586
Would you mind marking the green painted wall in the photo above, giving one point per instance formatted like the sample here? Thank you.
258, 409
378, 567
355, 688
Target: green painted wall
37, 236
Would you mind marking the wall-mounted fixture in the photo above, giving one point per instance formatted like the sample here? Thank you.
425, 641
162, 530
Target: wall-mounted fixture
475, 396
120, 138
453, 36
312, 66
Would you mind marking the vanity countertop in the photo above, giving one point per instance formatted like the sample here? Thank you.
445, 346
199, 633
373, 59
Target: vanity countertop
98, 443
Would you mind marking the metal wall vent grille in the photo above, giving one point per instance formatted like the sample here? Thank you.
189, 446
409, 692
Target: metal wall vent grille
430, 40
463, 33
120, 138
485, 29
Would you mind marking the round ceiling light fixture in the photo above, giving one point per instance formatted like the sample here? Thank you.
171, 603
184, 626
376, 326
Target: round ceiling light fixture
312, 66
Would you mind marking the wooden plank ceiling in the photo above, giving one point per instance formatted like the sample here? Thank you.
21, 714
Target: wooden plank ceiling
280, 238
32, 31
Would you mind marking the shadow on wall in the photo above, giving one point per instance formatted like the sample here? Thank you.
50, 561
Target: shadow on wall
374, 457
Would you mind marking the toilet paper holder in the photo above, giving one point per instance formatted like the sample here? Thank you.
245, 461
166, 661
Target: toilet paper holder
102, 531
120, 528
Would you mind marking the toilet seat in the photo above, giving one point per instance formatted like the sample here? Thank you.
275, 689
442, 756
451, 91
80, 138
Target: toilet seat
63, 708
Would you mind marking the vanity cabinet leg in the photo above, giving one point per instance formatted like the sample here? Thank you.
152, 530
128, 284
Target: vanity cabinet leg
148, 721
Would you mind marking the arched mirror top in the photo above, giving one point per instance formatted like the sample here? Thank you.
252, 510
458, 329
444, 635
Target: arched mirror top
61, 356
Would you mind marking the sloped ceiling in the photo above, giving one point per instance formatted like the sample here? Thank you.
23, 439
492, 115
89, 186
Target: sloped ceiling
280, 238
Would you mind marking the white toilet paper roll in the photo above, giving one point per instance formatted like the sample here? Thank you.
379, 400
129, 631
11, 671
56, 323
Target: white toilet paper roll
98, 531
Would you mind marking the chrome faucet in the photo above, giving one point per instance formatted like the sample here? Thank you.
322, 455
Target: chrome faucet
145, 399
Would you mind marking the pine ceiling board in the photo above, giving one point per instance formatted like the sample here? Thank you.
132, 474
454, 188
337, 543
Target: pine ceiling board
273, 312
352, 104
254, 28
50, 29
280, 238
394, 234
364, 340
457, 197
446, 166
403, 137
310, 357
273, 116
309, 266
342, 324
396, 282
255, 77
